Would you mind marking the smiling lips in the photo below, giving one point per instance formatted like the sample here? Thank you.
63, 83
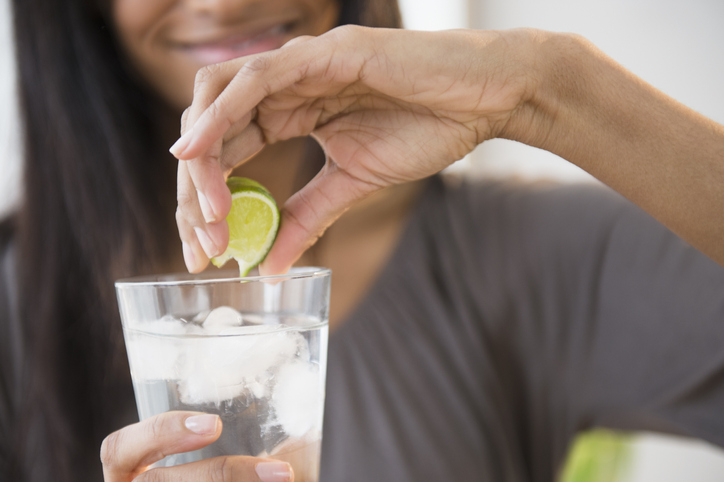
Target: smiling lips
237, 46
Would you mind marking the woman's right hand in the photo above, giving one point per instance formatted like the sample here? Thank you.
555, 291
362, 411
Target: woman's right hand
394, 106
127, 454
387, 107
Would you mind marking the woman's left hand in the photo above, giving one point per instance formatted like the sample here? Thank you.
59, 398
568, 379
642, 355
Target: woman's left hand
387, 106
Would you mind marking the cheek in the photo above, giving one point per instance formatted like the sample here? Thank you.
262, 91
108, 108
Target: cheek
136, 21
138, 24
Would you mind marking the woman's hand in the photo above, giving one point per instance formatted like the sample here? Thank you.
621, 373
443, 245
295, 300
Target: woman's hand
387, 106
127, 453
390, 106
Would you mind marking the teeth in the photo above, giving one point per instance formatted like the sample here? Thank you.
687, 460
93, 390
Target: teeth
278, 30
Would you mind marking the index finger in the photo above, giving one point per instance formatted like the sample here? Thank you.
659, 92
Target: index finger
221, 103
128, 451
258, 77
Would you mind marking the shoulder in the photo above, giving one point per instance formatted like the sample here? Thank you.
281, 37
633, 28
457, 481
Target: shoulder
585, 241
535, 220
536, 204
517, 234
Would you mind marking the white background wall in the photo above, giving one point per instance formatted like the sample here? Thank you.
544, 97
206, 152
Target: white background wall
678, 46
9, 140
670, 459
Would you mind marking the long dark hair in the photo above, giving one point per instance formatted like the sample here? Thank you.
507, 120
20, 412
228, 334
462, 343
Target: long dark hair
94, 209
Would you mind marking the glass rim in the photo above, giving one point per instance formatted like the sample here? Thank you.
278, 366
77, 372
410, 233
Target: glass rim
213, 277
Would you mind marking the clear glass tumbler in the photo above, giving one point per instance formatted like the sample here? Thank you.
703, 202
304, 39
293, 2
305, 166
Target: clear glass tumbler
252, 350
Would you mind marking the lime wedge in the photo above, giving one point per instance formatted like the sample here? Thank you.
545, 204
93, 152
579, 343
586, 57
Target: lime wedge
253, 224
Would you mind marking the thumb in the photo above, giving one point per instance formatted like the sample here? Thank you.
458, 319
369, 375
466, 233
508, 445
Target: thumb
310, 211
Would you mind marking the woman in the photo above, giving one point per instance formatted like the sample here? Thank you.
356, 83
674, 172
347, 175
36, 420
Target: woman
99, 204
479, 349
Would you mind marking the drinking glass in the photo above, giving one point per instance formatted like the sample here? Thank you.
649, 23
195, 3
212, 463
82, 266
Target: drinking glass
252, 350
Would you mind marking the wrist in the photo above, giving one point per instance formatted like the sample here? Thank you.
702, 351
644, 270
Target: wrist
557, 73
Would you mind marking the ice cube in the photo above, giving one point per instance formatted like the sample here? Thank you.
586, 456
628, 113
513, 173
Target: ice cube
197, 387
168, 325
154, 349
250, 330
257, 319
194, 329
200, 317
222, 367
221, 318
297, 398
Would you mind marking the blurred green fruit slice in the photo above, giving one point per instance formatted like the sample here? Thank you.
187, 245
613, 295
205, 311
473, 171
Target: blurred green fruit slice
253, 224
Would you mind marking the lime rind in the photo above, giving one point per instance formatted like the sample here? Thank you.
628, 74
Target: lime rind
243, 223
238, 184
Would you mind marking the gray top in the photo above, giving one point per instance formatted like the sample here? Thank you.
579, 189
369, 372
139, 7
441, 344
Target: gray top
509, 318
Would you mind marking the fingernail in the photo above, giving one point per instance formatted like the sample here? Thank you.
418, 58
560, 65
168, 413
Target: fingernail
206, 209
207, 244
202, 424
189, 256
274, 471
178, 148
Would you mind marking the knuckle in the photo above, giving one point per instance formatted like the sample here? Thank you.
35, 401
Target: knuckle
228, 162
218, 110
184, 119
257, 65
185, 200
311, 206
201, 169
222, 469
291, 217
180, 218
297, 40
346, 32
204, 77
157, 427
110, 448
